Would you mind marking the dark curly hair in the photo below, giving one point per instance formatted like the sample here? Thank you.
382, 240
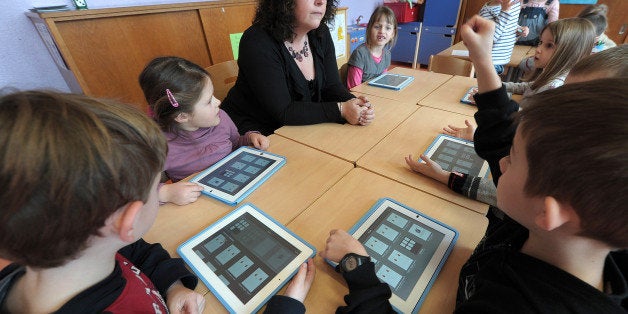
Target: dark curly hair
277, 17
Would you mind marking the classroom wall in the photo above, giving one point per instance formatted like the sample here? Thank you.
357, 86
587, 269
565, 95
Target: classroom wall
26, 64
359, 7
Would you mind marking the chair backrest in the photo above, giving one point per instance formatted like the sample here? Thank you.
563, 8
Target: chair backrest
223, 77
343, 73
451, 65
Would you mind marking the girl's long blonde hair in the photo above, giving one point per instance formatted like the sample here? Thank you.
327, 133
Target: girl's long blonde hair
574, 39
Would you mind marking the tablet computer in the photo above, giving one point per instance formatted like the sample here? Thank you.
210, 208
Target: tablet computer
238, 174
245, 258
468, 99
392, 81
408, 249
456, 154
468, 96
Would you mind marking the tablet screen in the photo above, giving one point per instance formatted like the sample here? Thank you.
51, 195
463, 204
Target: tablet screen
245, 254
391, 80
454, 154
236, 173
407, 248
401, 248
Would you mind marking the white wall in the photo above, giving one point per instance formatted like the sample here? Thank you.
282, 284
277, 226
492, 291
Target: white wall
26, 64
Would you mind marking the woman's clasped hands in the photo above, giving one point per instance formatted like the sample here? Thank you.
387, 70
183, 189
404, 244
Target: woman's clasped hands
358, 111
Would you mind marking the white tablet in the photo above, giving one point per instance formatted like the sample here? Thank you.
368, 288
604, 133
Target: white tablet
392, 81
238, 174
456, 154
408, 249
245, 258
468, 96
468, 99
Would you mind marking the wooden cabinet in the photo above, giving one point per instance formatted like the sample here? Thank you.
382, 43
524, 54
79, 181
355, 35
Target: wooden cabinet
106, 49
617, 18
219, 22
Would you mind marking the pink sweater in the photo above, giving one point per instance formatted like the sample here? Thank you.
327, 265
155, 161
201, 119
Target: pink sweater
192, 152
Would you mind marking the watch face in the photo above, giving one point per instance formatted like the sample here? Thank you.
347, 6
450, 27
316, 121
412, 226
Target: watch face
351, 263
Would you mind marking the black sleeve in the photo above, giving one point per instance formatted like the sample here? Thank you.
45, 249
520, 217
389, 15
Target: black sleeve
495, 132
280, 304
156, 263
366, 293
266, 74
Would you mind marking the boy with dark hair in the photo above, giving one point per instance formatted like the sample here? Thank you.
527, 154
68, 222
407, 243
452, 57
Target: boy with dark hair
562, 172
79, 190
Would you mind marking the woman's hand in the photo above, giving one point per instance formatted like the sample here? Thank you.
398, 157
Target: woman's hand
183, 300
465, 133
300, 285
368, 112
259, 141
180, 193
358, 111
429, 168
339, 244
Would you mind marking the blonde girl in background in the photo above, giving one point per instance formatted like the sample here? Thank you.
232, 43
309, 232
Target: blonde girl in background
596, 14
562, 44
372, 58
199, 133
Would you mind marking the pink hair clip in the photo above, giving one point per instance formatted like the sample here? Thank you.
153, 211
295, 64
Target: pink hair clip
173, 101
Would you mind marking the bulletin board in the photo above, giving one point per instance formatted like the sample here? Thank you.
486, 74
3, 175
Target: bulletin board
338, 32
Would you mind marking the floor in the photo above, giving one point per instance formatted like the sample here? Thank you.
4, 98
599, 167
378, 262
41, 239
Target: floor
406, 65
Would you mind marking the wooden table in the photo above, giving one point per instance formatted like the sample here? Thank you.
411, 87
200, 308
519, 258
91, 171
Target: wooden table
345, 203
519, 52
307, 174
447, 96
414, 136
423, 84
350, 142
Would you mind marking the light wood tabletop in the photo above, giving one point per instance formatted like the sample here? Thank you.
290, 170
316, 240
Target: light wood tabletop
447, 96
424, 83
307, 174
414, 136
347, 141
345, 203
519, 52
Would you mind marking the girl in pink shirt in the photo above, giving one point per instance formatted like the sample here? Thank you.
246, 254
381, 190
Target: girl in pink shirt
199, 133
372, 58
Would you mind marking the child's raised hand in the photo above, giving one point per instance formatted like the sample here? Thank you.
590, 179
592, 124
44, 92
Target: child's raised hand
465, 133
180, 193
477, 35
259, 141
429, 168
339, 244
183, 300
300, 285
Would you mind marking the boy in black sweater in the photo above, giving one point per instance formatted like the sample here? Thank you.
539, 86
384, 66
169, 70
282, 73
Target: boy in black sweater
562, 168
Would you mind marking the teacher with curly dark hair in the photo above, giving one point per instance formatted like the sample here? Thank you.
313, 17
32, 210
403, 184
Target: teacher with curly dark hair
288, 72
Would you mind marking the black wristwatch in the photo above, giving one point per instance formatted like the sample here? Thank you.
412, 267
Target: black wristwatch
351, 261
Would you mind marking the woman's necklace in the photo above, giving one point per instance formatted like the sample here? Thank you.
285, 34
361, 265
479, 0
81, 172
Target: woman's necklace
299, 55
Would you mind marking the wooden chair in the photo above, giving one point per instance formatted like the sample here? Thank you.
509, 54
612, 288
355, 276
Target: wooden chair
343, 73
223, 77
451, 65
